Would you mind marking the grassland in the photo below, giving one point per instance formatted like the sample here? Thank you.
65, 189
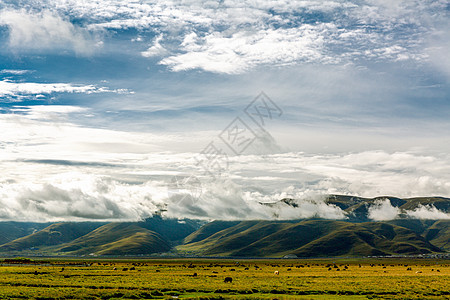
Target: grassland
204, 279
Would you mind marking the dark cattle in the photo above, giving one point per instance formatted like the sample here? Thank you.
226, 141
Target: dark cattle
194, 275
228, 279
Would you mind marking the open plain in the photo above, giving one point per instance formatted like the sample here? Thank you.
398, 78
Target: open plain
204, 279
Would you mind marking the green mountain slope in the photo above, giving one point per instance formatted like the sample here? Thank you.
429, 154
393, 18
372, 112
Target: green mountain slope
355, 236
209, 229
440, 203
311, 238
52, 235
439, 234
117, 239
170, 229
10, 231
418, 226
367, 239
228, 240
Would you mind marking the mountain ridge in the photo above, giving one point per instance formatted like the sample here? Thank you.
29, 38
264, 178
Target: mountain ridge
357, 235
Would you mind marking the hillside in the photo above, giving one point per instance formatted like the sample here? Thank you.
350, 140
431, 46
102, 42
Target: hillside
52, 235
439, 234
356, 235
208, 230
116, 239
149, 236
10, 231
171, 229
311, 238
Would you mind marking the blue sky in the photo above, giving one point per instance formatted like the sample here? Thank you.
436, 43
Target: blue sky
103, 102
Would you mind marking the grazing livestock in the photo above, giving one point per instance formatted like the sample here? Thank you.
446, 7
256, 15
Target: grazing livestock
276, 273
228, 279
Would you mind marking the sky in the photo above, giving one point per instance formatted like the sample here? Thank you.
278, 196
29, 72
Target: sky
112, 110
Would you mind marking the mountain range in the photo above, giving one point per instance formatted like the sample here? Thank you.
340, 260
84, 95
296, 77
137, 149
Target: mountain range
356, 235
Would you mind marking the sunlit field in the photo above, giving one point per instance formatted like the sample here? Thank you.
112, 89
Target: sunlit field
205, 279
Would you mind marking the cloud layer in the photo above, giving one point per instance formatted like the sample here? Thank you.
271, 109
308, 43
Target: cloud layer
363, 85
16, 91
44, 31
235, 36
55, 170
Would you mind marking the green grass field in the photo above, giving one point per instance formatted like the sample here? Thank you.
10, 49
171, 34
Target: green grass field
251, 279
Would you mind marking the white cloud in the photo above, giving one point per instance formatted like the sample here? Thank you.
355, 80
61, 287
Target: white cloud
44, 31
156, 49
76, 196
437, 47
428, 212
19, 90
235, 36
382, 210
52, 168
15, 72
240, 51
9, 88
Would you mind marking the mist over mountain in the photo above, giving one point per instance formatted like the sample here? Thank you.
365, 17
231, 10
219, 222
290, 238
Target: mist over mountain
367, 227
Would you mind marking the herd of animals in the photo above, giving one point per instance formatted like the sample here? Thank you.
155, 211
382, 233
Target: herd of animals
228, 279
